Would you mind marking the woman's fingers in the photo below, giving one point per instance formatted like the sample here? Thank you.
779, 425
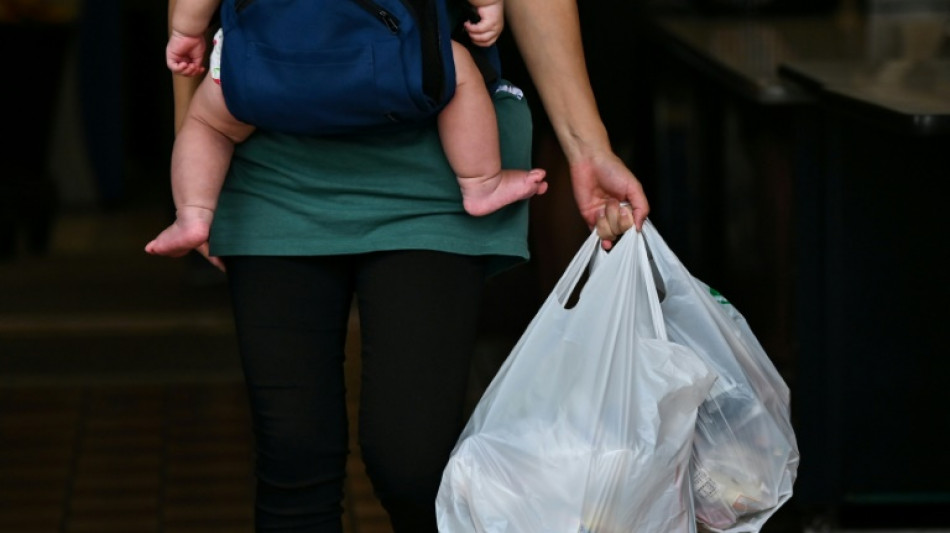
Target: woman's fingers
216, 261
615, 219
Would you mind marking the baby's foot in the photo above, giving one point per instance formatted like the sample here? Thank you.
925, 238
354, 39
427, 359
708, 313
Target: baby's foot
189, 231
481, 197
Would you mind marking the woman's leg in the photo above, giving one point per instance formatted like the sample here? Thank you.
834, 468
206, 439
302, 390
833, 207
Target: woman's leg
418, 318
291, 317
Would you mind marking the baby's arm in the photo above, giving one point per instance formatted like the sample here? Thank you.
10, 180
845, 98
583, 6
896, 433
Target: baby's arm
186, 47
492, 20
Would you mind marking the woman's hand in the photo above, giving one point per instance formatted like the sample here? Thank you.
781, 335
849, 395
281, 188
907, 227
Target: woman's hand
216, 261
548, 36
609, 196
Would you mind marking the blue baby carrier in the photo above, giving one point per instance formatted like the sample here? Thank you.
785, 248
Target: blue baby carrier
326, 67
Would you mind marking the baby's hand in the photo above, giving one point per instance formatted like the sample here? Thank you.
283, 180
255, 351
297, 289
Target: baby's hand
486, 31
185, 54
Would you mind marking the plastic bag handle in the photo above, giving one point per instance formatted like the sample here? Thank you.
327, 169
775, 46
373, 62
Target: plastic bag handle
646, 270
598, 255
575, 269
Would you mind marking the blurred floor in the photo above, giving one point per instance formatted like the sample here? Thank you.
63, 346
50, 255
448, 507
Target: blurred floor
122, 407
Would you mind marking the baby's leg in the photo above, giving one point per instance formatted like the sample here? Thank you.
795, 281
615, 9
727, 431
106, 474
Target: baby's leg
469, 133
200, 159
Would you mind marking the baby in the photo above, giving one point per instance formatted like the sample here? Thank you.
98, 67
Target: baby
205, 143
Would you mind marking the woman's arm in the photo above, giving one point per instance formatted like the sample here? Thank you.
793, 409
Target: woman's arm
183, 88
548, 36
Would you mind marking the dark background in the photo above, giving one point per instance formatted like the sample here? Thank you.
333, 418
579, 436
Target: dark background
84, 182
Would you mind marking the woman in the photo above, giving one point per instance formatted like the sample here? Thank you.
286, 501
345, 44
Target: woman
305, 224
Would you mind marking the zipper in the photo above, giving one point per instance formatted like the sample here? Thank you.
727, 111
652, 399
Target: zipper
380, 13
433, 78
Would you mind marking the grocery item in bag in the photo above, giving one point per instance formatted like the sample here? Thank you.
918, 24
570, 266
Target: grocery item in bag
588, 426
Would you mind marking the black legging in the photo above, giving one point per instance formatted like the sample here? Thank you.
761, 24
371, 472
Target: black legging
418, 314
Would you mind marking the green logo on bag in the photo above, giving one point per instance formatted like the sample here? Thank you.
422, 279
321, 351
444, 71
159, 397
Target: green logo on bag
718, 296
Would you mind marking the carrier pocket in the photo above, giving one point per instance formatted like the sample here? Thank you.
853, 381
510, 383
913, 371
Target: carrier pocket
330, 66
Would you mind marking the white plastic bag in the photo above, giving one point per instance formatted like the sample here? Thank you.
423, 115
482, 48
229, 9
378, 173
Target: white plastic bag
588, 425
745, 457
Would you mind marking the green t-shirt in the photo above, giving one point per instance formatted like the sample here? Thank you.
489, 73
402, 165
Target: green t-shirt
295, 195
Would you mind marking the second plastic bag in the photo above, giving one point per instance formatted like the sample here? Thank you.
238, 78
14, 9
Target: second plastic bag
588, 425
745, 457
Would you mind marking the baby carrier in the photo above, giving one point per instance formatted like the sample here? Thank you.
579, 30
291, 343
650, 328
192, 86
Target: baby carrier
321, 67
